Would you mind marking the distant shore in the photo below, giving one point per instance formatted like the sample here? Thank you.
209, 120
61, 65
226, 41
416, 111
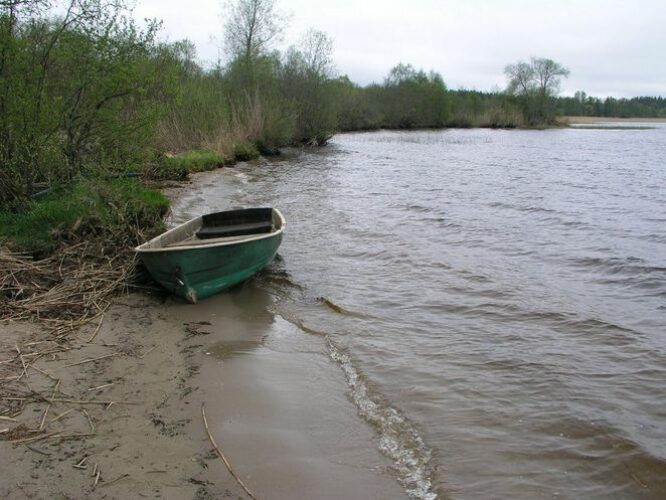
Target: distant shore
582, 120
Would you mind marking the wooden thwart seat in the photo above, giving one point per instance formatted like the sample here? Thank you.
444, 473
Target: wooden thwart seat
248, 228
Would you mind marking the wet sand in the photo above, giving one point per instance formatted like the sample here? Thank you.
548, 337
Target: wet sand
278, 412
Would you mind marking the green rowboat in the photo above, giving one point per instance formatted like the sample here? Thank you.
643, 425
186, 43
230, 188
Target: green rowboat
213, 252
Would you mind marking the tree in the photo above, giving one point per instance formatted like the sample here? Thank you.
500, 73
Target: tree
251, 27
414, 99
76, 90
306, 80
535, 84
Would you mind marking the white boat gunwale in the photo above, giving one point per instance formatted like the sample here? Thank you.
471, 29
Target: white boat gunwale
208, 243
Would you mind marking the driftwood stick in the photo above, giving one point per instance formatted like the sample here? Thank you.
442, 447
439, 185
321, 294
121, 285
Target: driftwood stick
221, 455
90, 360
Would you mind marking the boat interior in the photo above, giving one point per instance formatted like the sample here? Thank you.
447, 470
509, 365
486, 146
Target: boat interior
220, 227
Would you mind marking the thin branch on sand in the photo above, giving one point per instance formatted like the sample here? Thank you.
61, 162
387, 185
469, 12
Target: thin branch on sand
221, 455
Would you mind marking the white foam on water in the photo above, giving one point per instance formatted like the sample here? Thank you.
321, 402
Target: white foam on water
398, 440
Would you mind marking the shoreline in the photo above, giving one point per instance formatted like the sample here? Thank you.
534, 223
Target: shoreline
583, 120
157, 363
119, 403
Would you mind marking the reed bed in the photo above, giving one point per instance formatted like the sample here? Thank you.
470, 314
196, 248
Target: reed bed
65, 290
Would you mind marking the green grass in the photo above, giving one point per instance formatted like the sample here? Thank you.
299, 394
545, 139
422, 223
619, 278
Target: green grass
245, 152
115, 209
197, 161
178, 167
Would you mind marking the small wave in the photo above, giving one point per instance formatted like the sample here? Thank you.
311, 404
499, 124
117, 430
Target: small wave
418, 208
536, 209
498, 204
399, 440
618, 265
338, 309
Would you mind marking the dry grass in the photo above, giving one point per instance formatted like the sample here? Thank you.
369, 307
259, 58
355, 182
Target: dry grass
67, 289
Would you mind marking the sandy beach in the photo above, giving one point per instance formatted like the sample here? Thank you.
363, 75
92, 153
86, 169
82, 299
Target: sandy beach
126, 421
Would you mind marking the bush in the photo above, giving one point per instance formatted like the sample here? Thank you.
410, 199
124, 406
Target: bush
245, 151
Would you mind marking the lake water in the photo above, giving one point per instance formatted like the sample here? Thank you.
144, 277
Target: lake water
495, 299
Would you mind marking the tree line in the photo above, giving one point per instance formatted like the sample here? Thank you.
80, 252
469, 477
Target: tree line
86, 91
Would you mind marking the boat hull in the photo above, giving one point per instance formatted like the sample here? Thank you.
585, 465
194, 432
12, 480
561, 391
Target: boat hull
197, 273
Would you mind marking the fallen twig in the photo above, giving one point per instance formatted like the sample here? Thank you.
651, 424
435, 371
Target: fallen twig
48, 406
37, 450
58, 417
36, 438
90, 422
123, 476
91, 401
148, 352
99, 325
100, 387
90, 360
221, 455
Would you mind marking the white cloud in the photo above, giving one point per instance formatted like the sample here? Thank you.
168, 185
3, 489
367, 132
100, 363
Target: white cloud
611, 46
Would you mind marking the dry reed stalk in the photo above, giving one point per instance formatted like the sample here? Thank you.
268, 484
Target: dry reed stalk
93, 402
122, 476
100, 387
99, 325
58, 417
90, 422
224, 459
37, 450
148, 352
48, 406
91, 360
36, 438
43, 372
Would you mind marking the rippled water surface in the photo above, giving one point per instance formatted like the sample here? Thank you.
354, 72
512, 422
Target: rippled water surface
495, 299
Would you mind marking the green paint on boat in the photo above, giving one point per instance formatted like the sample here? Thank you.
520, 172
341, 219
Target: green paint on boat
195, 268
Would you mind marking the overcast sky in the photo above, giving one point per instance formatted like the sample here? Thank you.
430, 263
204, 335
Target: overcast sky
611, 47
